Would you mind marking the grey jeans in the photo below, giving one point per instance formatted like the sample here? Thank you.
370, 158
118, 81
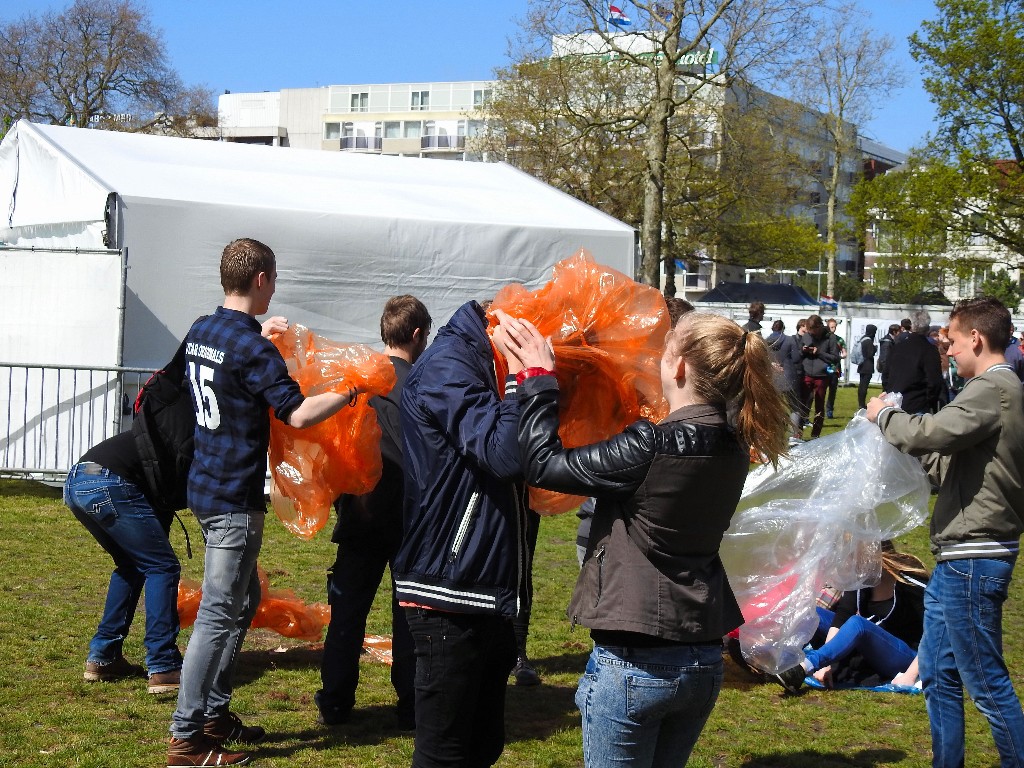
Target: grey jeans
231, 595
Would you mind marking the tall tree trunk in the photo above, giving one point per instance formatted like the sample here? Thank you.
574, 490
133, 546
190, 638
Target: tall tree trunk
670, 263
656, 147
830, 223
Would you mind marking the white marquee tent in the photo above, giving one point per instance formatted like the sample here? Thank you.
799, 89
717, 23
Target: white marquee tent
150, 215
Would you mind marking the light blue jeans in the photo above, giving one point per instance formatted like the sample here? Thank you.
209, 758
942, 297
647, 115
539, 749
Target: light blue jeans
647, 706
962, 648
231, 595
122, 521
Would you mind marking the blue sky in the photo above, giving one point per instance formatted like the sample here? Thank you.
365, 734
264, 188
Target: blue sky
264, 45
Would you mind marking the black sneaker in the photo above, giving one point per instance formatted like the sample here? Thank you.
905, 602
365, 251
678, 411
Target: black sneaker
118, 669
333, 715
735, 651
405, 720
791, 679
229, 727
524, 672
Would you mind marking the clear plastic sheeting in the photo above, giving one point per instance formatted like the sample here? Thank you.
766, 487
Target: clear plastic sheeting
607, 332
311, 467
818, 520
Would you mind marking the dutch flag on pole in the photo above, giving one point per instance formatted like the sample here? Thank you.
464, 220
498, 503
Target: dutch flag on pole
617, 17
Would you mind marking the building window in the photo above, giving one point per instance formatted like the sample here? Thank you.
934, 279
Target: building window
360, 102
332, 130
348, 129
412, 129
481, 97
392, 129
420, 100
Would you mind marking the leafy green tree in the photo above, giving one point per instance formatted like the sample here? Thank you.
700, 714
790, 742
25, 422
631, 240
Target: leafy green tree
1003, 287
842, 79
974, 72
99, 63
911, 238
557, 119
681, 52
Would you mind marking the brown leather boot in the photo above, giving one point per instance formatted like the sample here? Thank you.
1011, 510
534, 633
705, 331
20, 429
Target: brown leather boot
201, 750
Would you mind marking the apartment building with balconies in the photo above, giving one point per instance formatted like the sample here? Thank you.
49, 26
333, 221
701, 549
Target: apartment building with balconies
409, 119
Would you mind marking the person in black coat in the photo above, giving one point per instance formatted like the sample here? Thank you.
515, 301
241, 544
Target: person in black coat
368, 534
866, 368
915, 370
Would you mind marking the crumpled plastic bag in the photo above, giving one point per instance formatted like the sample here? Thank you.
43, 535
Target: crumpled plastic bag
310, 468
608, 332
280, 610
819, 519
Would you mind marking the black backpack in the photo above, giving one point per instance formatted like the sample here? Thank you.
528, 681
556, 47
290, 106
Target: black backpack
164, 430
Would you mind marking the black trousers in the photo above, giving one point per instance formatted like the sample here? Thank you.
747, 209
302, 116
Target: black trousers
463, 661
862, 390
351, 586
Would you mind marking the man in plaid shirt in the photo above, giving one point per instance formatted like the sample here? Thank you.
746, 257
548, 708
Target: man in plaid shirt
236, 376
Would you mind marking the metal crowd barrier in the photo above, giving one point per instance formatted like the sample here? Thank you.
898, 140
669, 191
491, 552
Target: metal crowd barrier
55, 413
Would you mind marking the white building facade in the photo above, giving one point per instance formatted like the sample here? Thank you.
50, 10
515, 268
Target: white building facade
409, 119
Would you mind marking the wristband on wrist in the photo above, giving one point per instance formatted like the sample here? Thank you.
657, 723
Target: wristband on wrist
526, 373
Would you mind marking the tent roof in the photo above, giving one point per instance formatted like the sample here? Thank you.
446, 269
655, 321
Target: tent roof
769, 293
222, 173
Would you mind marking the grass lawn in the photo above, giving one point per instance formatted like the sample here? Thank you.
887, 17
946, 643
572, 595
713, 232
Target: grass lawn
51, 594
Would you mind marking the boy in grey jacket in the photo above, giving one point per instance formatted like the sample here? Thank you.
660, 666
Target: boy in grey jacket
974, 447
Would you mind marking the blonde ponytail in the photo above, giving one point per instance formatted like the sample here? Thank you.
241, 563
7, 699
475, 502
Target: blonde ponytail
728, 365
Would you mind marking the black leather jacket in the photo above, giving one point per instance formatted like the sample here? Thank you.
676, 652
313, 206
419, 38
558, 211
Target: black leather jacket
665, 496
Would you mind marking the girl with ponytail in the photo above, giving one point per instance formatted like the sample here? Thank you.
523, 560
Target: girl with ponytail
652, 588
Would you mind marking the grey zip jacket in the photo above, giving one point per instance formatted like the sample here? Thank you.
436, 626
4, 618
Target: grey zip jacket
974, 447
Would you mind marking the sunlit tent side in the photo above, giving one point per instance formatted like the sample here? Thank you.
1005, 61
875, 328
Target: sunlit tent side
111, 245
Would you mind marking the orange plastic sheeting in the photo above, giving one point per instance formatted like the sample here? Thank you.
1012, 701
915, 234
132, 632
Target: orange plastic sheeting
311, 467
280, 610
608, 332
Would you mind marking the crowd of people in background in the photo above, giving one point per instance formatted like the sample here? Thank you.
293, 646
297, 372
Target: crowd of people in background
450, 519
912, 358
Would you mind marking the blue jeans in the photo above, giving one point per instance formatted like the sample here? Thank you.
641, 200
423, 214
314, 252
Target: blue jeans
231, 595
118, 516
463, 661
885, 653
647, 706
962, 648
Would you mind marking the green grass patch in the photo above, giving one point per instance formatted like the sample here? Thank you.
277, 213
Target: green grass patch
54, 580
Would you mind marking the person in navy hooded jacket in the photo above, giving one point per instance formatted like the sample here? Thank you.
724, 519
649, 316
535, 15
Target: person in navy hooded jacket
460, 570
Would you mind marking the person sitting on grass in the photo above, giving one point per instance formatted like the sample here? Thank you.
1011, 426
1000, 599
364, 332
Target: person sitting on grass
882, 625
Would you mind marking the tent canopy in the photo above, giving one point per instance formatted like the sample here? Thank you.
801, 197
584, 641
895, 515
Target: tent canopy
349, 230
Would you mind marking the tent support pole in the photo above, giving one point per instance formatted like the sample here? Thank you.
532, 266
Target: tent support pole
120, 406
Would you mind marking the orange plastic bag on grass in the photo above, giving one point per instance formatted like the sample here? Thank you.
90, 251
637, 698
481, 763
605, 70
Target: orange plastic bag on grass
310, 468
280, 610
607, 332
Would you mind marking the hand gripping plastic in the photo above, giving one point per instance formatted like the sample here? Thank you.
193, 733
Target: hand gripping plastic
311, 467
607, 331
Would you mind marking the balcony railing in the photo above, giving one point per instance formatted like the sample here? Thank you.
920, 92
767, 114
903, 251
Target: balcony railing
443, 142
366, 143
